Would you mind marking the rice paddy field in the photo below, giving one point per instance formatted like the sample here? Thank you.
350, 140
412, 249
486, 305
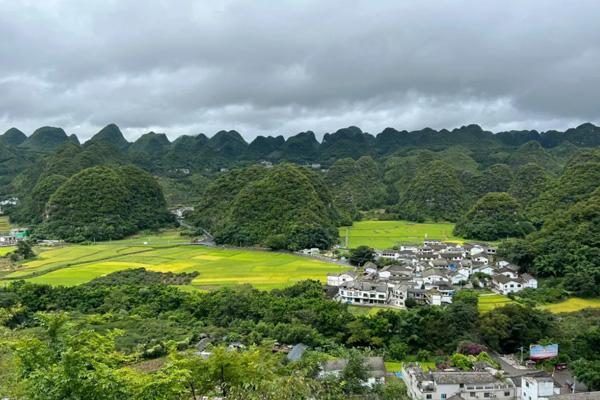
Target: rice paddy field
386, 234
4, 224
7, 249
571, 305
76, 264
489, 301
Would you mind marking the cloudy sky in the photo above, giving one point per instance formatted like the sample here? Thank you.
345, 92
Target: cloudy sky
281, 67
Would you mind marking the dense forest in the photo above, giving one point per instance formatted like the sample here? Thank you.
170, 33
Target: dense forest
155, 320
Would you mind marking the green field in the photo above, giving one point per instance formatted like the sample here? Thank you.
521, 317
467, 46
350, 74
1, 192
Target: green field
76, 264
386, 234
4, 224
571, 305
489, 301
5, 250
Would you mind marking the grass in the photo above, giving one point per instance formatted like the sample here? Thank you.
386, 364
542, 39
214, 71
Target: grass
386, 234
571, 305
489, 301
76, 264
396, 366
366, 310
4, 224
5, 250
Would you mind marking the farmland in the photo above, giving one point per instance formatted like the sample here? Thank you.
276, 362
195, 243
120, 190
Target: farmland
6, 249
386, 234
489, 301
4, 224
571, 305
76, 264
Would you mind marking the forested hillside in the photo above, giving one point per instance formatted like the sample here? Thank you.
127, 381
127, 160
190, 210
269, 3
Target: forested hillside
284, 207
419, 175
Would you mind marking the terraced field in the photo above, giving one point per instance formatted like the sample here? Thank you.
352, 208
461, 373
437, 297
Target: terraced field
386, 234
76, 264
4, 224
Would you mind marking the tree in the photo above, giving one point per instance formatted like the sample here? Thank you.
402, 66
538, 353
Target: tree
25, 249
65, 366
361, 255
587, 372
354, 373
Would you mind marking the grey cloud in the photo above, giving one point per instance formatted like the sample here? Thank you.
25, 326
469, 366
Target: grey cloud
265, 67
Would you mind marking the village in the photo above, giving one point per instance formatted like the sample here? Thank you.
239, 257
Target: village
427, 274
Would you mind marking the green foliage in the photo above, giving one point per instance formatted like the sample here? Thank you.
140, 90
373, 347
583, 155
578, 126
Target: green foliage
103, 203
529, 181
283, 207
356, 185
494, 216
588, 372
436, 193
25, 250
354, 373
361, 255
141, 276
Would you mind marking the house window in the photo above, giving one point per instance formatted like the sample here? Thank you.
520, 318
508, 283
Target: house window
428, 397
486, 394
527, 384
506, 394
462, 385
472, 394
443, 396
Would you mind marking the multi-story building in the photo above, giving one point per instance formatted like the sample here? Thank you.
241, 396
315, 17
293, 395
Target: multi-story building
366, 292
442, 385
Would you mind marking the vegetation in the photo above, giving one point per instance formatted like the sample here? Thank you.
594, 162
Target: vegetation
169, 252
494, 216
285, 207
356, 186
102, 203
39, 343
387, 234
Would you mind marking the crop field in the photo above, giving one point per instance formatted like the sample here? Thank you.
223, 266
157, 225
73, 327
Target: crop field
489, 301
386, 234
571, 305
5, 250
4, 224
77, 264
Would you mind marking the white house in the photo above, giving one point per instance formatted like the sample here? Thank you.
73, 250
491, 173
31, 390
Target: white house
339, 279
435, 275
374, 365
442, 385
364, 292
389, 254
529, 281
505, 285
538, 388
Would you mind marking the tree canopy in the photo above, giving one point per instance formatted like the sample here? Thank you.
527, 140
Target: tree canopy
102, 203
496, 215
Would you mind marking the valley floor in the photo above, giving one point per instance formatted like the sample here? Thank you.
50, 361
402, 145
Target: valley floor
386, 234
76, 264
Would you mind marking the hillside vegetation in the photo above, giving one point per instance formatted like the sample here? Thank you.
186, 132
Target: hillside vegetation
285, 207
103, 203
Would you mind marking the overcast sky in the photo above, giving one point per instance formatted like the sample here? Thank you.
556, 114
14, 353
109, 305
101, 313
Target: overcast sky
281, 67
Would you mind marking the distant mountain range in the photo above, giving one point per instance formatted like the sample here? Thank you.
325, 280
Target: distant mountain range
352, 142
